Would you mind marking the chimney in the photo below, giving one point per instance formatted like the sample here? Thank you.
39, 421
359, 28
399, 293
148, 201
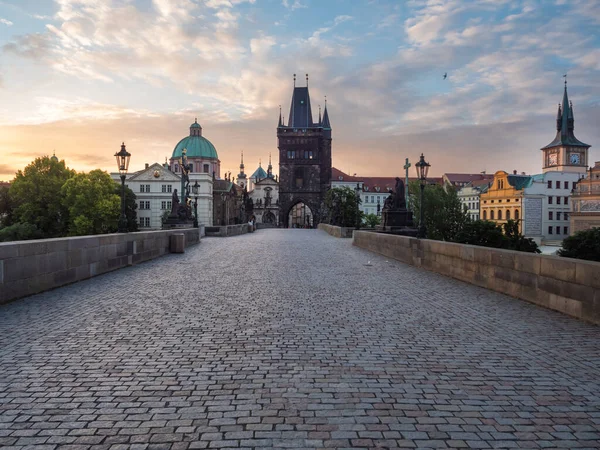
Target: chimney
514, 172
523, 173
147, 165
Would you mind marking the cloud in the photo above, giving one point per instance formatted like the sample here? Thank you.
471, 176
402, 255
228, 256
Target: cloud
295, 4
6, 22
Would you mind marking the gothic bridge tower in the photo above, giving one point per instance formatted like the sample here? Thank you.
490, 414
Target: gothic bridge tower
304, 161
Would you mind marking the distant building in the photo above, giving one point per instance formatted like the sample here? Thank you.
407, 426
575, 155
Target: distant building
469, 196
304, 162
460, 180
585, 201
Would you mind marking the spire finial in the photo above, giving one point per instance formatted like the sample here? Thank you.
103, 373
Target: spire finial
325, 101
195, 120
306, 80
242, 157
259, 162
294, 80
565, 77
269, 158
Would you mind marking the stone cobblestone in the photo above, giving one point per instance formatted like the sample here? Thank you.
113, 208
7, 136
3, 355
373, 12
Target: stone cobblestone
288, 339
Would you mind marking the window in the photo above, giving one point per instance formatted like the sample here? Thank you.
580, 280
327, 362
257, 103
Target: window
169, 204
176, 167
142, 188
574, 184
205, 168
558, 200
508, 214
492, 214
163, 205
550, 215
558, 215
566, 185
557, 230
557, 184
550, 200
310, 154
499, 214
516, 214
299, 178
566, 200
550, 230
484, 215
163, 188
566, 216
565, 230
549, 184
372, 199
145, 222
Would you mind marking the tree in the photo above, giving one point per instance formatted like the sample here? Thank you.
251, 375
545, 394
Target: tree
6, 207
582, 245
20, 232
516, 241
482, 232
371, 220
36, 195
93, 206
130, 207
342, 205
444, 213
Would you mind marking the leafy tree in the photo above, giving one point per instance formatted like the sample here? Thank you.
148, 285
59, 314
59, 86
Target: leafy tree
93, 206
516, 241
582, 245
36, 195
130, 207
482, 232
6, 207
371, 220
342, 205
20, 232
444, 214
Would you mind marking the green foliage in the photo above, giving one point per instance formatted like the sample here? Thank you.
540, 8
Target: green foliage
444, 214
6, 207
516, 241
342, 205
20, 232
36, 196
582, 245
93, 206
371, 220
130, 207
490, 234
482, 232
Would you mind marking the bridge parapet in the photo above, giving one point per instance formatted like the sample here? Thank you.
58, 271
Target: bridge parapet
571, 286
29, 267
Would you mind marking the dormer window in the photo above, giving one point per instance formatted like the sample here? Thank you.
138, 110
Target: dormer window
341, 178
366, 188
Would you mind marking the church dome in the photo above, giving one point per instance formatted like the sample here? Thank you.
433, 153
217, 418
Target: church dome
197, 146
259, 173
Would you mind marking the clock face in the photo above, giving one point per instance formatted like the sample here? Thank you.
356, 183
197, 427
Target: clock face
575, 158
553, 159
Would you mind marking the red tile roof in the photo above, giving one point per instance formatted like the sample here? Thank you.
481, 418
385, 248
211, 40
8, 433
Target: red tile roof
370, 184
467, 177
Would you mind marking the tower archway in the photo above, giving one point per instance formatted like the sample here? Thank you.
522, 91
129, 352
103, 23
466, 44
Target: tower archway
300, 215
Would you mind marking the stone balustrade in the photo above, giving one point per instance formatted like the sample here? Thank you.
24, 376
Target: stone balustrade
571, 286
335, 231
29, 267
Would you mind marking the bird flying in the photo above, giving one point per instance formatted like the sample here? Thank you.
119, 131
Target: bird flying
445, 75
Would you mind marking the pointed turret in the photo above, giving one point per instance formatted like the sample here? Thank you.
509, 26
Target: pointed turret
280, 124
270, 168
300, 110
241, 178
320, 121
565, 124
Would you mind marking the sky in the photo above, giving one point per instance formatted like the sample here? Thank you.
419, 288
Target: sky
78, 77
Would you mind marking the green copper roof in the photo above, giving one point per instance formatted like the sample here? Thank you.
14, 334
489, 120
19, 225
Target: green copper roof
197, 147
519, 181
259, 173
195, 124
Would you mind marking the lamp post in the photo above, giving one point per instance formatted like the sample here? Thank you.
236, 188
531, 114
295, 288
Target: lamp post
357, 189
195, 191
222, 208
378, 207
422, 168
123, 164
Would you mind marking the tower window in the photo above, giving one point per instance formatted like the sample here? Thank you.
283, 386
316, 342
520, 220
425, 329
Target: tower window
205, 168
549, 184
557, 184
299, 178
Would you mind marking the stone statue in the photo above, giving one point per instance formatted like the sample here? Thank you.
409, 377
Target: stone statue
174, 203
399, 195
388, 204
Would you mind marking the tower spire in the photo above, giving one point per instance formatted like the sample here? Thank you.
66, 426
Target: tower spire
280, 122
269, 168
319, 114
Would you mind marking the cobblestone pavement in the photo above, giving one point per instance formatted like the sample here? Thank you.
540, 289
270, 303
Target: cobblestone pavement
286, 338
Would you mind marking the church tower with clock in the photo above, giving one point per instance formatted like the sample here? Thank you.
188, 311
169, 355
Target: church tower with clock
565, 153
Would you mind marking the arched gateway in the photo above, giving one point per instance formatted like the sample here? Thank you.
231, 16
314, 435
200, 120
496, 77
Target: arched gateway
304, 160
301, 216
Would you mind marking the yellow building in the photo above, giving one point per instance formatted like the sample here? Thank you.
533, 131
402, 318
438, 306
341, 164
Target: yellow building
585, 201
504, 198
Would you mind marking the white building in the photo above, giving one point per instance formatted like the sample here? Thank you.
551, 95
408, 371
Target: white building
469, 196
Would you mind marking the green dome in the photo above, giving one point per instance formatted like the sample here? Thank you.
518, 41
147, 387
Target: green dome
197, 147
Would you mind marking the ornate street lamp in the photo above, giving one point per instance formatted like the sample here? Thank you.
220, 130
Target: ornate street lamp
422, 169
195, 191
357, 189
123, 164
378, 207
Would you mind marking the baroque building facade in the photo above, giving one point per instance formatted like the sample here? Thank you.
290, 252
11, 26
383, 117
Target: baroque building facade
585, 201
304, 162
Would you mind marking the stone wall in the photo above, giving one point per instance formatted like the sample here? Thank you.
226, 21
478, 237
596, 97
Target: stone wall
29, 267
228, 230
570, 286
335, 231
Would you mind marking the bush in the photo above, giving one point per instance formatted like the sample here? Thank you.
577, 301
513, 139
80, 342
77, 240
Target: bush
20, 232
582, 245
490, 234
371, 220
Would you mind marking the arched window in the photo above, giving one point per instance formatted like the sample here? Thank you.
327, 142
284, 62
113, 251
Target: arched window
492, 214
484, 214
508, 214
499, 214
516, 214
